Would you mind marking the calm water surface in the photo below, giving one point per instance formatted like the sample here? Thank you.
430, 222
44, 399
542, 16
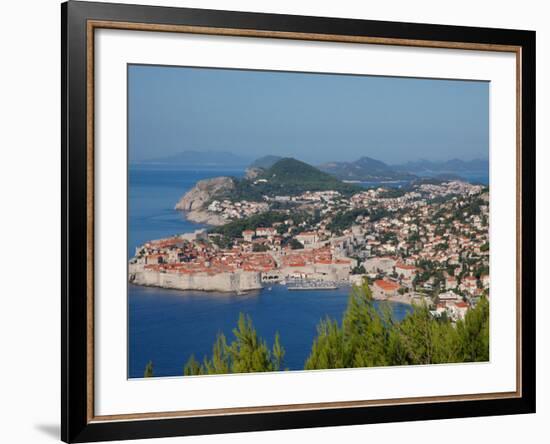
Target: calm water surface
167, 326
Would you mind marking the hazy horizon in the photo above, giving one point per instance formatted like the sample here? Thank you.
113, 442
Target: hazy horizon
313, 117
251, 159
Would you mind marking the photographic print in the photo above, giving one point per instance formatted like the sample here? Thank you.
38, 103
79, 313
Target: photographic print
274, 222
292, 221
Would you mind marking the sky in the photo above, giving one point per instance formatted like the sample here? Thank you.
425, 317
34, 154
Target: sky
313, 117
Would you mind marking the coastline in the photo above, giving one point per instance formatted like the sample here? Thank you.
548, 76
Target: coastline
398, 299
228, 282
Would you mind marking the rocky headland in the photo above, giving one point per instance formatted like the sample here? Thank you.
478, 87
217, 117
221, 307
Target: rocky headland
195, 201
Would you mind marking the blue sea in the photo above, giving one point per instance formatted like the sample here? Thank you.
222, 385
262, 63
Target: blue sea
481, 178
153, 192
167, 326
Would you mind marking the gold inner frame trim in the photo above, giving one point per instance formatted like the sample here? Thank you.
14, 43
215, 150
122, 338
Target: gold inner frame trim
98, 24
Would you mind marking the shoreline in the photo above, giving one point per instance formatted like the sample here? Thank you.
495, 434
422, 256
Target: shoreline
223, 292
398, 299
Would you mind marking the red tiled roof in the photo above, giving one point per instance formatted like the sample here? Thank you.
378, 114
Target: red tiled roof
297, 264
386, 285
342, 261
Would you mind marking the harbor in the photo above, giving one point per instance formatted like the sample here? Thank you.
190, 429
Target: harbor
303, 284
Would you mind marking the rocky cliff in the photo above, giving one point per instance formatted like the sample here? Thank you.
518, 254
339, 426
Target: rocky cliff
195, 201
203, 191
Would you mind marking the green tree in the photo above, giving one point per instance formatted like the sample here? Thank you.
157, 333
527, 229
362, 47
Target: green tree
327, 350
417, 336
295, 244
363, 339
473, 333
369, 336
148, 373
192, 367
246, 353
220, 362
257, 248
278, 353
446, 342
364, 330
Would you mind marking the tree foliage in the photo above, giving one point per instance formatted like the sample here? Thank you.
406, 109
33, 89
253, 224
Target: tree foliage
473, 333
294, 244
369, 336
234, 229
247, 353
258, 248
344, 220
148, 373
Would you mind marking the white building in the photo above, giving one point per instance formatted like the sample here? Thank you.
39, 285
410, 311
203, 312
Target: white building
407, 271
266, 232
307, 239
382, 264
448, 296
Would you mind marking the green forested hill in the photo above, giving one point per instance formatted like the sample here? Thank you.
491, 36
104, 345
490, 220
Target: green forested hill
291, 176
287, 177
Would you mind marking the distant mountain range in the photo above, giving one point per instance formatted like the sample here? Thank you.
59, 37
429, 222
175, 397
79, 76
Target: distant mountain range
362, 170
365, 169
425, 167
368, 169
201, 158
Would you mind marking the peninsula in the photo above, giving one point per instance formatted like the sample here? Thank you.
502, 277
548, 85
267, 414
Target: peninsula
290, 223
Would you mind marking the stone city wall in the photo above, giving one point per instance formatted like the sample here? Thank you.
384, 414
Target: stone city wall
226, 282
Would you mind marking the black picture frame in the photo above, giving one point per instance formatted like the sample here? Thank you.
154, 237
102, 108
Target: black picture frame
76, 424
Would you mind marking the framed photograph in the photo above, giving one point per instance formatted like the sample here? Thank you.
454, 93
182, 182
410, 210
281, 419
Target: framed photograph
275, 221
